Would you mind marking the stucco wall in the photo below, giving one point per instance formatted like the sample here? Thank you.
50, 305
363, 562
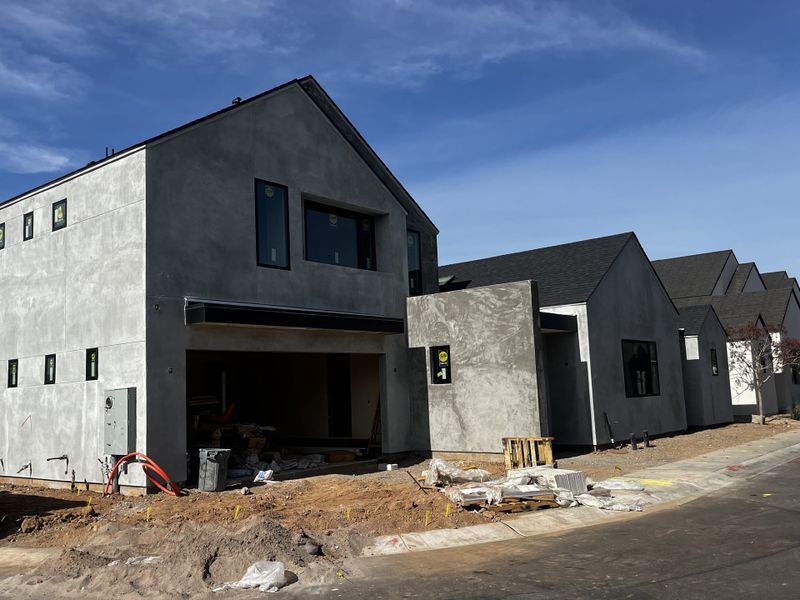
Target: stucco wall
497, 387
202, 243
631, 304
708, 397
744, 399
61, 293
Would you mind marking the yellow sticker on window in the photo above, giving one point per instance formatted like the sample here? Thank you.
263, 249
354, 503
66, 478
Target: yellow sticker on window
270, 192
443, 356
333, 219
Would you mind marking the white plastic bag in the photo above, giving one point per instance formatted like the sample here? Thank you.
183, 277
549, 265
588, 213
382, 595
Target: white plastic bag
266, 575
619, 484
440, 471
608, 503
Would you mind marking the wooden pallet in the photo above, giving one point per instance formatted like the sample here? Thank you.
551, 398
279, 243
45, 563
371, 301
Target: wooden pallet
515, 506
521, 452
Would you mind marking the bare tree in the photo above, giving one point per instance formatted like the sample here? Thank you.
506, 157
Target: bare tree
756, 353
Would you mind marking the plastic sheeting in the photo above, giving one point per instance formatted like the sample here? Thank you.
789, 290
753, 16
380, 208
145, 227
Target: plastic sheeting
266, 575
608, 503
440, 471
620, 484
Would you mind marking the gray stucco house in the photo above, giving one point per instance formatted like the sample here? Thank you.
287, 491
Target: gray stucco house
610, 355
706, 378
740, 296
254, 262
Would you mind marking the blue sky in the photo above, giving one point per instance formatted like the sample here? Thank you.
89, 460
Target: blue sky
514, 124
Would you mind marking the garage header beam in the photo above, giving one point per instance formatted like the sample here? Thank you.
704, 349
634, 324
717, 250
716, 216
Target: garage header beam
210, 312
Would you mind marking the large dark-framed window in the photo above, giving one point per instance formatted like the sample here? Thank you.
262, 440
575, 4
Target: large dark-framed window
50, 369
339, 237
59, 214
272, 225
27, 226
2, 235
441, 365
13, 373
640, 366
414, 263
714, 362
92, 364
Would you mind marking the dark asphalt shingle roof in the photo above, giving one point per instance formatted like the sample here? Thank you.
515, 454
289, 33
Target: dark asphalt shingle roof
740, 277
689, 276
566, 274
778, 280
691, 318
744, 309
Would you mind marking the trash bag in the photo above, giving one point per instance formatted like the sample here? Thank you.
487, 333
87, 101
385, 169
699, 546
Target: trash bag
266, 575
440, 472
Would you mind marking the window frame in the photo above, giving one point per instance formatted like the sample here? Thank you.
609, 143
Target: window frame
418, 290
62, 202
2, 236
285, 188
714, 363
657, 386
89, 362
47, 381
25, 238
340, 212
15, 363
436, 364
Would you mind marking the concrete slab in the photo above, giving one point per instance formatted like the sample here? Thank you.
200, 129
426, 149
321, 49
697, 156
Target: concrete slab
385, 544
450, 538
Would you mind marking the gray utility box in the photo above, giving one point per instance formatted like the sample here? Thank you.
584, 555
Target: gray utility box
119, 421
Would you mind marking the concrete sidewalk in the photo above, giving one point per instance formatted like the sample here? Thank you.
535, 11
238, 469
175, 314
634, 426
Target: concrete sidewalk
665, 486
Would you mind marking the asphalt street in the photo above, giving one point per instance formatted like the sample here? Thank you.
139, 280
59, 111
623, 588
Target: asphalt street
740, 542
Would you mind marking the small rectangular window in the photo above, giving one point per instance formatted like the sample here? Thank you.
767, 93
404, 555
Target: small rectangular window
272, 225
714, 362
13, 373
640, 364
59, 215
795, 376
50, 369
441, 367
339, 237
92, 364
27, 226
2, 235
414, 264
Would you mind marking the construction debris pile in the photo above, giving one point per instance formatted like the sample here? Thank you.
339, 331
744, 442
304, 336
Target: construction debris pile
529, 488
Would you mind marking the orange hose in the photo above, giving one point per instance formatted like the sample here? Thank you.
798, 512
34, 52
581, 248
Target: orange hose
148, 464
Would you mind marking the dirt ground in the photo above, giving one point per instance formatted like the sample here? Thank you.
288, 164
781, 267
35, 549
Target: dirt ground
313, 525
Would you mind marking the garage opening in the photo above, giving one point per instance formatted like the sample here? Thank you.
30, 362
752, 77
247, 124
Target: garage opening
282, 412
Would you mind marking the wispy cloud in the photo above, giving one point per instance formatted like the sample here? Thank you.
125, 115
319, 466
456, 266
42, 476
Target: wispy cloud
18, 154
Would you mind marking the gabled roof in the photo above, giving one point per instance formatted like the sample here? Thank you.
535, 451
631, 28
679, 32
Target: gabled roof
689, 276
327, 106
691, 318
740, 277
745, 309
566, 274
777, 280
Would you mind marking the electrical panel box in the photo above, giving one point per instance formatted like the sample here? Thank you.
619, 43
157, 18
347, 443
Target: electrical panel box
119, 421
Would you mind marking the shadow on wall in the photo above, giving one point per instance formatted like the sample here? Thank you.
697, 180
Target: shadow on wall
568, 390
418, 390
14, 508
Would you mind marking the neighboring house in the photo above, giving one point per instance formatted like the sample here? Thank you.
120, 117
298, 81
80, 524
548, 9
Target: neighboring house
740, 295
609, 335
706, 379
255, 261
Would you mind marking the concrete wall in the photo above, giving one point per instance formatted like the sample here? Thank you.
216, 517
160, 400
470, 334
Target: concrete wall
61, 293
497, 387
631, 304
708, 396
202, 243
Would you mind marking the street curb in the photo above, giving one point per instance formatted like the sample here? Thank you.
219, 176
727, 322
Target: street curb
666, 486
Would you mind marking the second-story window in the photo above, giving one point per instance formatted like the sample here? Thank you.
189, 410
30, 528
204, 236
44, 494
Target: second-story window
339, 237
59, 215
92, 364
272, 225
27, 226
50, 369
13, 373
414, 264
2, 235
